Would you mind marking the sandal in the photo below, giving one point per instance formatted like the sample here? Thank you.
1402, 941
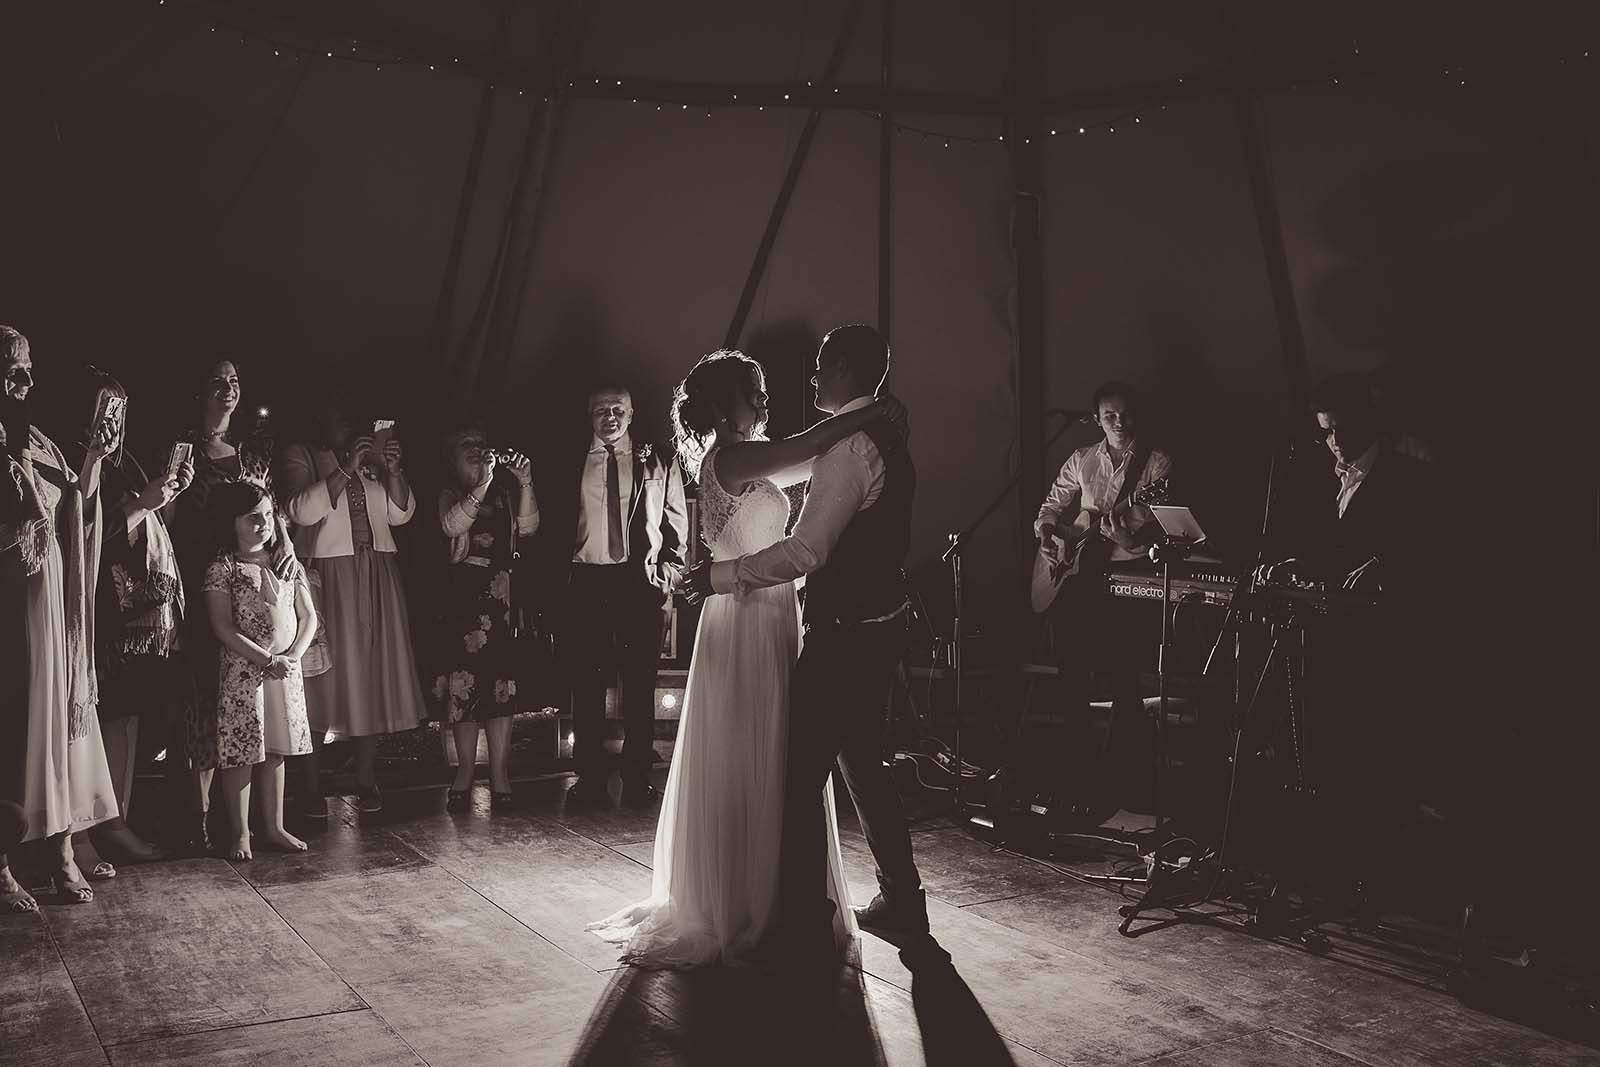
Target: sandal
458, 800
17, 901
101, 872
74, 891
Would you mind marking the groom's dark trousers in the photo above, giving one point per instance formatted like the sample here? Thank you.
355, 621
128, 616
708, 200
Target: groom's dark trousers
838, 716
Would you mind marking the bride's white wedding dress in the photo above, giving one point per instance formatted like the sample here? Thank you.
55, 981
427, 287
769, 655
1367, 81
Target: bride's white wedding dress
714, 892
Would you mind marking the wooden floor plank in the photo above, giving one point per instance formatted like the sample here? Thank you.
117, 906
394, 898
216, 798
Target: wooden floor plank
1066, 1006
1338, 1002
42, 1020
350, 1039
179, 947
552, 880
459, 979
342, 849
1264, 1048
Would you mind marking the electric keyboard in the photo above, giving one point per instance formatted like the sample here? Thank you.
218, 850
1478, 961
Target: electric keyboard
1193, 585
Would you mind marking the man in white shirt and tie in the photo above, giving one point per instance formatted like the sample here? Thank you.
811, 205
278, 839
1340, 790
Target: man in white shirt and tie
630, 532
849, 542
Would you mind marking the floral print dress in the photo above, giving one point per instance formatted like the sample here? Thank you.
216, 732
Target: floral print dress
255, 714
479, 679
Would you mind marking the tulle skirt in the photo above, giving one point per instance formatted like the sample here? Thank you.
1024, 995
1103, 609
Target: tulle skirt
714, 890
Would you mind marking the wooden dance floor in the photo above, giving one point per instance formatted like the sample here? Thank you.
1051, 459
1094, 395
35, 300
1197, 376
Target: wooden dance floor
422, 937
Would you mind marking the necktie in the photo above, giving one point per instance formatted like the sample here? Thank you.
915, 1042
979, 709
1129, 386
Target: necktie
613, 507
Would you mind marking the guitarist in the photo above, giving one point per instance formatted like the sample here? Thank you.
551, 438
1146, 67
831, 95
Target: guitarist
1090, 511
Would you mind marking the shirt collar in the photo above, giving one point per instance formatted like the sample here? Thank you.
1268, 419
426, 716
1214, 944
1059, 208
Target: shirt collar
624, 445
1105, 449
1363, 464
856, 405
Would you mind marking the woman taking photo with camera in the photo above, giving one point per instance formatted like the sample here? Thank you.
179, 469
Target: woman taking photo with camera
485, 520
345, 493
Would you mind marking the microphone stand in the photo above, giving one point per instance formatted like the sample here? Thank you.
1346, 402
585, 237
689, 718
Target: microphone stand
953, 557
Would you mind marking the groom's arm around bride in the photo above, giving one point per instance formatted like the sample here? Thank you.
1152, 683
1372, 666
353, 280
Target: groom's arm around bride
851, 541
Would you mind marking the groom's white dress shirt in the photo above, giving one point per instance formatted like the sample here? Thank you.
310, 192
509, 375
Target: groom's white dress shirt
846, 479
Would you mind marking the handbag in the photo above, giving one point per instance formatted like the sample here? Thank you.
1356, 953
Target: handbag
319, 657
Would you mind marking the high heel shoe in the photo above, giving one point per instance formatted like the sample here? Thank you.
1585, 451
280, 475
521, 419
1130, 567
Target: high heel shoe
457, 800
502, 799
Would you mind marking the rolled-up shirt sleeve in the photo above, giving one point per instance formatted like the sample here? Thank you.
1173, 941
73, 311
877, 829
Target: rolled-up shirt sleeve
840, 482
1064, 493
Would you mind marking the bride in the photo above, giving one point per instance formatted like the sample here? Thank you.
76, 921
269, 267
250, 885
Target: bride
714, 891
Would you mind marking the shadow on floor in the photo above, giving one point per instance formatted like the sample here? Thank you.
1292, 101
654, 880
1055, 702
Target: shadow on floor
955, 1028
730, 1015
740, 1015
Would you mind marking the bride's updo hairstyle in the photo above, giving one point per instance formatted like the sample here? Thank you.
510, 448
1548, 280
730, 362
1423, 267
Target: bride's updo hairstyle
706, 396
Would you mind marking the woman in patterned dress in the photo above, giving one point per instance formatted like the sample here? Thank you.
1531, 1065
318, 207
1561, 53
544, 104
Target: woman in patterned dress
221, 457
264, 625
485, 524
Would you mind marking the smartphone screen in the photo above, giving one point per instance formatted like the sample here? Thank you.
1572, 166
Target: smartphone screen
382, 430
181, 452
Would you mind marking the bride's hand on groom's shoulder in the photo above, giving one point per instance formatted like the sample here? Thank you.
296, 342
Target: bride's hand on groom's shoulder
893, 409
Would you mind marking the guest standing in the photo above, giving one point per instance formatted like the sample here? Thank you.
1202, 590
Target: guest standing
139, 611
264, 624
485, 522
49, 554
221, 457
625, 528
344, 499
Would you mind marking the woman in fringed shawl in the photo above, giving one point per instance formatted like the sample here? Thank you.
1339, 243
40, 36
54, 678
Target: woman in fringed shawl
50, 547
138, 616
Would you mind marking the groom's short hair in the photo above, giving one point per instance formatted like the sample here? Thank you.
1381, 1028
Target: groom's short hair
862, 350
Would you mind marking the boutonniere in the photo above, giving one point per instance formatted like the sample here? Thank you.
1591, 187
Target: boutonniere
642, 453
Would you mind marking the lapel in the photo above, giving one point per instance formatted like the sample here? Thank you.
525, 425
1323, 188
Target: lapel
641, 470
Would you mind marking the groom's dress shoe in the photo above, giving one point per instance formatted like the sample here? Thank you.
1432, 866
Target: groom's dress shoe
894, 919
640, 794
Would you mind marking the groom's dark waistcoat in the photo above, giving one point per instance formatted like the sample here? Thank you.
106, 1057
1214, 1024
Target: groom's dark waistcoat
863, 578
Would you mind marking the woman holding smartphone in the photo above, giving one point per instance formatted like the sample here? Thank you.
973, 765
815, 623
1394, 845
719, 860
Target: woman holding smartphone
139, 609
345, 492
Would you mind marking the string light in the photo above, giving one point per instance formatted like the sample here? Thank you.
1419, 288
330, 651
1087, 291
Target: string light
377, 58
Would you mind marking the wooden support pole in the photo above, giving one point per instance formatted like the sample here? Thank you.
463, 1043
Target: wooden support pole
438, 336
797, 162
886, 180
1022, 135
1269, 227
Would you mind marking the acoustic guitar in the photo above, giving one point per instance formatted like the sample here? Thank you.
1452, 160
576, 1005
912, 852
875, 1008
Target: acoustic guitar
1083, 550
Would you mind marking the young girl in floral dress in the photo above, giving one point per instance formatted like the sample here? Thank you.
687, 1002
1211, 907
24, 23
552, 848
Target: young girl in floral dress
264, 625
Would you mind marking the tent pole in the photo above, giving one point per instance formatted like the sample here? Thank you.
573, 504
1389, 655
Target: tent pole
469, 192
1022, 134
1269, 226
886, 178
796, 163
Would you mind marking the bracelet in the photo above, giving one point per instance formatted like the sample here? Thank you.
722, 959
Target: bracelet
474, 501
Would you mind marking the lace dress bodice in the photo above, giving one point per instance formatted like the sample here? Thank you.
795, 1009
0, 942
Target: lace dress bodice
735, 526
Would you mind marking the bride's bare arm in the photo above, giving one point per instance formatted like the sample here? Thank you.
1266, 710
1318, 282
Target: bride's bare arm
742, 463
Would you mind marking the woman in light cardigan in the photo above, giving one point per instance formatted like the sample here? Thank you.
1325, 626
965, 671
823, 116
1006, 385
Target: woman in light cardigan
343, 498
485, 521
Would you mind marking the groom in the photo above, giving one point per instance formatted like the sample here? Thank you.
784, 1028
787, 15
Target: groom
850, 541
